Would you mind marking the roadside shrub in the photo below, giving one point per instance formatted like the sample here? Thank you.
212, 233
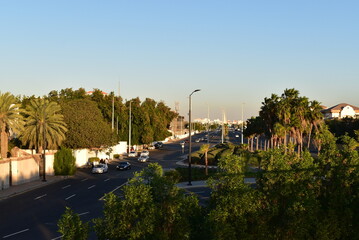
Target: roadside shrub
64, 163
93, 159
116, 156
224, 153
196, 157
173, 175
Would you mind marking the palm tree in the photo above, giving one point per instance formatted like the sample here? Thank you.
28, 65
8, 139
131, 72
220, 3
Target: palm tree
44, 126
10, 120
205, 148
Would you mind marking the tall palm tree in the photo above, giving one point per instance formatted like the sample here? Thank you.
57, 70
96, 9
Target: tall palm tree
44, 126
205, 148
11, 120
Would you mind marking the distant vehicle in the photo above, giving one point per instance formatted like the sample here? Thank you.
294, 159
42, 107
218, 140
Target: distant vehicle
143, 159
237, 135
197, 139
132, 154
158, 145
100, 168
151, 147
182, 142
123, 166
145, 153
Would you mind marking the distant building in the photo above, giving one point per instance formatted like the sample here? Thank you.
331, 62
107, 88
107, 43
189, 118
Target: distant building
91, 92
341, 110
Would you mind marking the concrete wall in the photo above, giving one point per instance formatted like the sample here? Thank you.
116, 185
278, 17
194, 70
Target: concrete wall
82, 155
4, 173
24, 170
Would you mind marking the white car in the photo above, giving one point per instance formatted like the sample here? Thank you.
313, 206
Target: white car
100, 168
143, 159
132, 154
145, 153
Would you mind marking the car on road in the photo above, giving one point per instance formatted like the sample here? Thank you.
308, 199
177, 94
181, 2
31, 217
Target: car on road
145, 153
132, 154
197, 140
100, 168
182, 142
143, 159
123, 166
158, 145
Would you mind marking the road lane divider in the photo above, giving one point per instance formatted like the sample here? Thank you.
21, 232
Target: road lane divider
103, 197
106, 179
13, 234
73, 195
40, 197
57, 237
84, 179
91, 186
66, 186
84, 213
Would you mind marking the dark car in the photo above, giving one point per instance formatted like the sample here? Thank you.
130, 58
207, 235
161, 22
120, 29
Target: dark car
123, 166
158, 145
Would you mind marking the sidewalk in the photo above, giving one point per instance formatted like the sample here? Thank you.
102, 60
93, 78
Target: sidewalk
25, 187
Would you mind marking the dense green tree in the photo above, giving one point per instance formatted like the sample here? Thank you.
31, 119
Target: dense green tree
87, 128
11, 120
71, 227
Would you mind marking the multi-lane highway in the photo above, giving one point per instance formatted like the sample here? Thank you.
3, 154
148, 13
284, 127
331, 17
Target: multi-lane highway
34, 214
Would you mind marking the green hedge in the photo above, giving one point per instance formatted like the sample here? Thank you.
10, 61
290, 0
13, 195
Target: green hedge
64, 162
93, 159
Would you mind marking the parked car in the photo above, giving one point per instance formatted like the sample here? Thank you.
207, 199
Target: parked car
143, 159
197, 140
145, 153
132, 154
100, 168
151, 147
123, 166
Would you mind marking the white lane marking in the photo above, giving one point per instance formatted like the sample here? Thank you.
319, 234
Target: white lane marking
40, 197
106, 180
84, 213
199, 192
66, 186
91, 187
57, 237
70, 197
103, 197
12, 234
84, 179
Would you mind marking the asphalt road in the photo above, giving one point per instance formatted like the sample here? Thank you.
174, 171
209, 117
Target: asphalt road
34, 214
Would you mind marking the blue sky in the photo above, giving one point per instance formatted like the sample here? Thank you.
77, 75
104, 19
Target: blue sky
235, 51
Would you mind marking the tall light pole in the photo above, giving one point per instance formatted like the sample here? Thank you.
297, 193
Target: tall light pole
129, 128
190, 138
242, 124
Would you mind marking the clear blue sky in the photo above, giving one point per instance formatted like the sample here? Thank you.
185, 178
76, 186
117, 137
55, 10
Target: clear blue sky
235, 51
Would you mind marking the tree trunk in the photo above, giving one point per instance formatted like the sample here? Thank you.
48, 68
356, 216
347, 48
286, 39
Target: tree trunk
4, 142
257, 140
206, 162
309, 136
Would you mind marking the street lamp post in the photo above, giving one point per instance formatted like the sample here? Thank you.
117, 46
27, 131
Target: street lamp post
242, 124
190, 138
129, 129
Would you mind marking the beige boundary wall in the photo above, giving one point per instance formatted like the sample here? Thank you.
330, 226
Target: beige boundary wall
18, 170
26, 166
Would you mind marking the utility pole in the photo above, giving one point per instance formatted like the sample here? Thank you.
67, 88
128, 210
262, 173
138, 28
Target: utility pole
242, 124
129, 130
113, 111
190, 138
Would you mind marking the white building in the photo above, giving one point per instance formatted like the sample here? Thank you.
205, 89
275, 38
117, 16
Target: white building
341, 110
